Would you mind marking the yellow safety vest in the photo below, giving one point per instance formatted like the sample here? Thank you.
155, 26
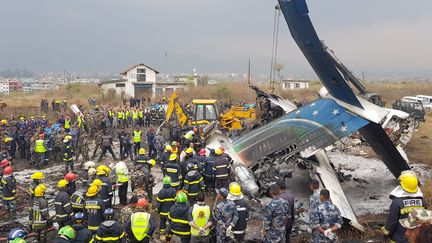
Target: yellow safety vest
67, 124
200, 216
141, 114
134, 114
80, 122
120, 115
137, 137
140, 224
40, 148
121, 177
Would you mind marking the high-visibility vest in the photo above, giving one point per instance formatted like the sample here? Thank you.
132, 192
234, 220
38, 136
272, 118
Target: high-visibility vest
80, 122
67, 124
141, 114
120, 115
40, 148
137, 136
200, 216
140, 224
134, 114
121, 174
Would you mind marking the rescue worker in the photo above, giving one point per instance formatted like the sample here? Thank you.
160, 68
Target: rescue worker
150, 143
172, 169
236, 195
8, 188
85, 175
67, 123
98, 143
68, 154
110, 230
276, 214
140, 179
193, 183
62, 204
39, 216
71, 178
83, 148
221, 169
141, 157
93, 209
327, 220
65, 234
77, 200
164, 158
164, 201
37, 178
418, 226
82, 234
405, 198
40, 151
141, 225
149, 179
136, 140
290, 199
208, 173
200, 221
314, 201
3, 164
107, 143
122, 173
178, 219
225, 215
127, 149
106, 192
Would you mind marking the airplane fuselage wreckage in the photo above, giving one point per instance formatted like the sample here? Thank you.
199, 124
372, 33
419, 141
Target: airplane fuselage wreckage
296, 138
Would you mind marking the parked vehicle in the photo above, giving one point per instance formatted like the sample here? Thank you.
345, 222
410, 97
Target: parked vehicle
412, 107
426, 100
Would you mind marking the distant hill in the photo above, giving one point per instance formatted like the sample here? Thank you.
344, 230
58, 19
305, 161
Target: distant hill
16, 73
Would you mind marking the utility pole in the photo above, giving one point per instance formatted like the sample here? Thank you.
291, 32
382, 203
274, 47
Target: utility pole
249, 73
166, 64
274, 45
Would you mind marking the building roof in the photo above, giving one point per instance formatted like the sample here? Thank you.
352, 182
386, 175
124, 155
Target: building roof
141, 64
112, 81
295, 81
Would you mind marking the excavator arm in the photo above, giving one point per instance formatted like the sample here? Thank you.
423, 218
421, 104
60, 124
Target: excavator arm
173, 105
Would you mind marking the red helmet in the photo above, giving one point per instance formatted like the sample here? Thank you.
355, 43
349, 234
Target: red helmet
8, 170
5, 163
142, 203
70, 177
222, 149
42, 135
202, 152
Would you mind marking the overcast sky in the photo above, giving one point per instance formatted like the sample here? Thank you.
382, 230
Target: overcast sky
374, 36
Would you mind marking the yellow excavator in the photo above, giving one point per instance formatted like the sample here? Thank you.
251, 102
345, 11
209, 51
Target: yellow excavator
206, 111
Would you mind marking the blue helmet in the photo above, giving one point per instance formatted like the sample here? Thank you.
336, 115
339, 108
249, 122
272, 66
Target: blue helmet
108, 213
16, 233
78, 216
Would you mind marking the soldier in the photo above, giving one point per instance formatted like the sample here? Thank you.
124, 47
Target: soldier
225, 215
236, 195
106, 146
140, 225
405, 197
193, 183
276, 214
221, 170
93, 209
8, 188
172, 169
200, 221
39, 215
68, 153
418, 226
326, 221
149, 179
62, 204
37, 179
85, 174
83, 149
164, 201
178, 218
98, 143
290, 199
314, 201
110, 230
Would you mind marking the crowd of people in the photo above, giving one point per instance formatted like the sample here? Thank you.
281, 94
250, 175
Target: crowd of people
194, 177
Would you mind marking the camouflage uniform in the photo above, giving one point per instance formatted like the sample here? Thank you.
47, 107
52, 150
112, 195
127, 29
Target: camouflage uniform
126, 212
314, 201
98, 142
83, 149
327, 216
225, 215
276, 215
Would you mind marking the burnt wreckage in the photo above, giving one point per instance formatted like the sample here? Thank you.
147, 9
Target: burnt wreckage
291, 137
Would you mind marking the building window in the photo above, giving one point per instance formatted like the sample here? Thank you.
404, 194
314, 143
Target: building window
297, 85
159, 90
141, 77
132, 75
120, 85
287, 85
141, 70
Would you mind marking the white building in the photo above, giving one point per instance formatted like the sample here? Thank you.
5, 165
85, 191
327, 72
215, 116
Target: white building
137, 81
295, 84
4, 87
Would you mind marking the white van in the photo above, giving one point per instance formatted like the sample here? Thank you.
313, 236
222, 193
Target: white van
412, 99
426, 100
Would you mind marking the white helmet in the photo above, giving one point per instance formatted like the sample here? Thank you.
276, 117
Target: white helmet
91, 172
88, 165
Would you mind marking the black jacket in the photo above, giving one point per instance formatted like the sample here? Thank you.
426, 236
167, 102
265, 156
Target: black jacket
8, 185
193, 183
173, 171
63, 207
178, 219
243, 215
106, 192
82, 234
221, 168
93, 210
165, 200
112, 230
